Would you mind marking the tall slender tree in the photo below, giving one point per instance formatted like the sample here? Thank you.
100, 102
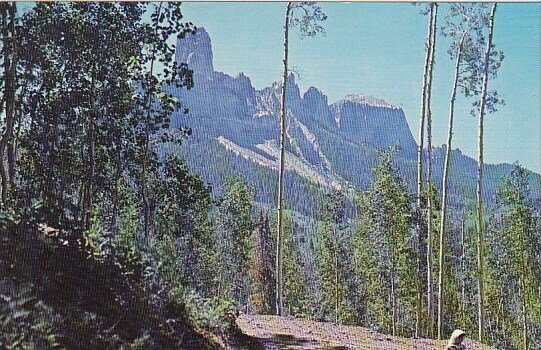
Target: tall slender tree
429, 203
458, 59
281, 172
307, 21
460, 21
9, 56
480, 221
465, 24
420, 156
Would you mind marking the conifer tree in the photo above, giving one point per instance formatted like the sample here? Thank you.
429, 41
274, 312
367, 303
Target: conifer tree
332, 254
262, 268
517, 233
234, 229
386, 212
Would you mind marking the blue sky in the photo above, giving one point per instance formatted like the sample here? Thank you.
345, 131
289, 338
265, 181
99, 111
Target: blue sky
377, 49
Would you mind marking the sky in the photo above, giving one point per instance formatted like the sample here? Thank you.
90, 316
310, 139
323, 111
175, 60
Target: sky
378, 49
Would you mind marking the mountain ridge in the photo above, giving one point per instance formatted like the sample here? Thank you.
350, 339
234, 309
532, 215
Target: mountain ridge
331, 145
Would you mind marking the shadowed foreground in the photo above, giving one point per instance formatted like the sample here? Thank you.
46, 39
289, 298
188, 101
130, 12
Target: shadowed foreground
273, 332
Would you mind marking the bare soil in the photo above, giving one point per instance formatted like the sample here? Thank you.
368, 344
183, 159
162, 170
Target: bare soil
273, 332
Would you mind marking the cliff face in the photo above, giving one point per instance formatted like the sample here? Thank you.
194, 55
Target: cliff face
236, 130
196, 51
373, 122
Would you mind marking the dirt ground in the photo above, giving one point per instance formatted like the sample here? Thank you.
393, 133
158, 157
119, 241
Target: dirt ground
273, 332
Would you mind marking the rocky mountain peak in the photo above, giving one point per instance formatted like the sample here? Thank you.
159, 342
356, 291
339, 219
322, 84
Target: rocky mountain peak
196, 51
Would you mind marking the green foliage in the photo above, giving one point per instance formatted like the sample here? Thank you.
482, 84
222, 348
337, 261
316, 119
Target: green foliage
210, 313
261, 272
295, 298
333, 245
385, 211
91, 119
306, 16
465, 24
25, 322
93, 138
514, 276
183, 241
234, 229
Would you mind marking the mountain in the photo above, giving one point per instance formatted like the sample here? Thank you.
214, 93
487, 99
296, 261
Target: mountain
329, 145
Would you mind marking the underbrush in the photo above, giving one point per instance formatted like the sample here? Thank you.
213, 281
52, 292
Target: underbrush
54, 293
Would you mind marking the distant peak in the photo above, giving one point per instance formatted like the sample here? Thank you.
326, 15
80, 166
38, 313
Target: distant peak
196, 51
291, 78
201, 30
367, 100
313, 90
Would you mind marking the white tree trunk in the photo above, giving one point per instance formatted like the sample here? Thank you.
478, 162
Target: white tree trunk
444, 187
480, 220
420, 174
280, 226
429, 253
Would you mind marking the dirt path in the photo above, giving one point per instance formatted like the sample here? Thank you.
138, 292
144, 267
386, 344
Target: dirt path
272, 332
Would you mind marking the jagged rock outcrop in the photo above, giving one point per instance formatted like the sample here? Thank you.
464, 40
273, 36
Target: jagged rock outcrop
196, 51
215, 94
316, 107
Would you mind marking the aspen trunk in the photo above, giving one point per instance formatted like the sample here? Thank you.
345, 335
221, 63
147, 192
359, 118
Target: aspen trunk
523, 287
444, 187
480, 220
429, 253
10, 106
283, 111
336, 288
420, 174
393, 302
463, 262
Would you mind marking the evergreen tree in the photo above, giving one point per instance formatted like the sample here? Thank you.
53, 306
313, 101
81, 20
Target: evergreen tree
519, 242
386, 230
262, 268
184, 237
295, 291
332, 258
234, 228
